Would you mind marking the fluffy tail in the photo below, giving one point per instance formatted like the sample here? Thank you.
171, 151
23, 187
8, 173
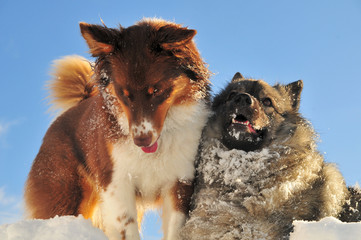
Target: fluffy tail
71, 82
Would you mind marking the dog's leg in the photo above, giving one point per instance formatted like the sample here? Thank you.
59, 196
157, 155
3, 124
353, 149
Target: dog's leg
175, 209
119, 212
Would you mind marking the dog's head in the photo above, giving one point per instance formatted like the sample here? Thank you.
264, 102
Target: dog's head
249, 113
148, 68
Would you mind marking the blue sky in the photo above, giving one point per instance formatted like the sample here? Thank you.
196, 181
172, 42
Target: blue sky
278, 41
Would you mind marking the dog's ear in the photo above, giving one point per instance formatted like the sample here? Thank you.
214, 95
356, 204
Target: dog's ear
100, 39
237, 77
172, 37
294, 90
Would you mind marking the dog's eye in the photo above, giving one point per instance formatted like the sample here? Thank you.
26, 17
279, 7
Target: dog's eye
127, 94
267, 102
154, 91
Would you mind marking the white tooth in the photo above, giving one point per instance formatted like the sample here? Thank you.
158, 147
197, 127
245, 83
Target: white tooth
233, 120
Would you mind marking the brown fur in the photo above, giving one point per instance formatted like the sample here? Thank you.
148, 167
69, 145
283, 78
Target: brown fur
146, 67
141, 72
259, 168
55, 184
182, 193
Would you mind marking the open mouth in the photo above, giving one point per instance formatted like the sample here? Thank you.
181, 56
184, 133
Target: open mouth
241, 120
241, 133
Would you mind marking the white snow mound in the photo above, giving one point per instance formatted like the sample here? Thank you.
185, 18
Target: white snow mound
58, 228
328, 228
70, 227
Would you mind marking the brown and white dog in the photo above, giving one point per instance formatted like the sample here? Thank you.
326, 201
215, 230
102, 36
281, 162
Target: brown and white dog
129, 131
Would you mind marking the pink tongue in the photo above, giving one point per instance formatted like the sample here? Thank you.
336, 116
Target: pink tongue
150, 149
250, 128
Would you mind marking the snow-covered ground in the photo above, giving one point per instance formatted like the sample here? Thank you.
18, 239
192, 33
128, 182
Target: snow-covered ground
58, 228
65, 228
326, 229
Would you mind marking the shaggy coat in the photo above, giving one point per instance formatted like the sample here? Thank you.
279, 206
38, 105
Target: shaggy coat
259, 168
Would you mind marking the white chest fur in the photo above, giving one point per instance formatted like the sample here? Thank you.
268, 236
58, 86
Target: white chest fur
152, 173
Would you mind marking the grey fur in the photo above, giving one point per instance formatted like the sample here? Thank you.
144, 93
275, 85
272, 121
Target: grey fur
255, 192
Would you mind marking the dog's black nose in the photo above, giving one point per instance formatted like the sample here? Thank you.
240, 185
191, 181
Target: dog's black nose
243, 99
143, 141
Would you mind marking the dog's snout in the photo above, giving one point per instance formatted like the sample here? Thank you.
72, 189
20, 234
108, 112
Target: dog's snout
144, 134
244, 99
143, 140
